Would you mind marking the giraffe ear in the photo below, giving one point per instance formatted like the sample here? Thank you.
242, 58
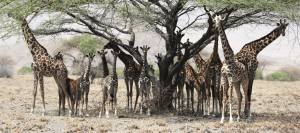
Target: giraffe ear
87, 55
141, 48
148, 48
278, 24
93, 56
98, 52
112, 52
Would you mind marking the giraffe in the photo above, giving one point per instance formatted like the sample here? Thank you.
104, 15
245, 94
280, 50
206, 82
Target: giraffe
72, 89
192, 79
248, 56
213, 76
233, 74
131, 71
144, 81
180, 85
43, 65
84, 84
109, 87
104, 63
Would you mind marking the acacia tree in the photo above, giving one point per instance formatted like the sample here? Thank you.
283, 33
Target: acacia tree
110, 19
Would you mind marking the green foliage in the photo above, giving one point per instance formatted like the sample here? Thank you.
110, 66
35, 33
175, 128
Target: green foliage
24, 70
278, 76
258, 74
156, 72
84, 43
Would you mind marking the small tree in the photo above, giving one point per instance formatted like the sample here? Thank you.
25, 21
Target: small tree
263, 64
292, 71
258, 74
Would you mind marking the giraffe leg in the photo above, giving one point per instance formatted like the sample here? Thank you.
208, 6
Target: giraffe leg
230, 82
107, 106
128, 92
137, 86
42, 94
87, 100
130, 95
34, 91
217, 94
175, 99
141, 86
192, 98
104, 96
148, 98
60, 94
188, 97
225, 87
239, 97
115, 101
208, 95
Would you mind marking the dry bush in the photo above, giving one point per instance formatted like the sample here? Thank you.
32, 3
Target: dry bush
292, 71
5, 72
161, 123
131, 127
6, 61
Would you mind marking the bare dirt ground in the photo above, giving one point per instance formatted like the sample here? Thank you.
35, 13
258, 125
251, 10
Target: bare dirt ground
275, 108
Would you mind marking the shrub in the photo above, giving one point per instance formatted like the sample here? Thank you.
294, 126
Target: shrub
258, 74
24, 70
5, 72
278, 76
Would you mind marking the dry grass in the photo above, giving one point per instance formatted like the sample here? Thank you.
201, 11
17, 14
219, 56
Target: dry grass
275, 107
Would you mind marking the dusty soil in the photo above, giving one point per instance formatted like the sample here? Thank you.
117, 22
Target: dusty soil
275, 108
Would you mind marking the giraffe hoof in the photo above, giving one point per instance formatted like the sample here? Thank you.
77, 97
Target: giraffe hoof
117, 116
107, 117
87, 115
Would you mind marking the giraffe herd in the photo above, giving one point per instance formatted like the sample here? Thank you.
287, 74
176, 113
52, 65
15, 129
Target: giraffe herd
213, 77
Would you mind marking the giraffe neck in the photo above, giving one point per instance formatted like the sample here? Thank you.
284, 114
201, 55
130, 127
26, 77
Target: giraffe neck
105, 68
87, 71
199, 62
114, 73
259, 44
227, 51
125, 58
215, 49
145, 63
32, 43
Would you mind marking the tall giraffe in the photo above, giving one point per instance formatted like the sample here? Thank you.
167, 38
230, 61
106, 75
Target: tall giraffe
104, 63
144, 81
132, 73
84, 84
43, 65
109, 87
248, 55
234, 73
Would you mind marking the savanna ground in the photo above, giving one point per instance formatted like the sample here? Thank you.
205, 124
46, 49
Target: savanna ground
275, 107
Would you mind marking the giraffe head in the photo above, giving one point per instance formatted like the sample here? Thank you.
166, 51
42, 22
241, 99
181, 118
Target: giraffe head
115, 53
110, 45
102, 53
90, 57
282, 27
58, 57
159, 58
145, 48
218, 20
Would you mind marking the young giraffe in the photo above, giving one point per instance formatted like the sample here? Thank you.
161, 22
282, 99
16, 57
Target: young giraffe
180, 84
109, 87
43, 65
234, 73
84, 84
104, 63
213, 76
247, 55
144, 81
131, 71
72, 89
196, 80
